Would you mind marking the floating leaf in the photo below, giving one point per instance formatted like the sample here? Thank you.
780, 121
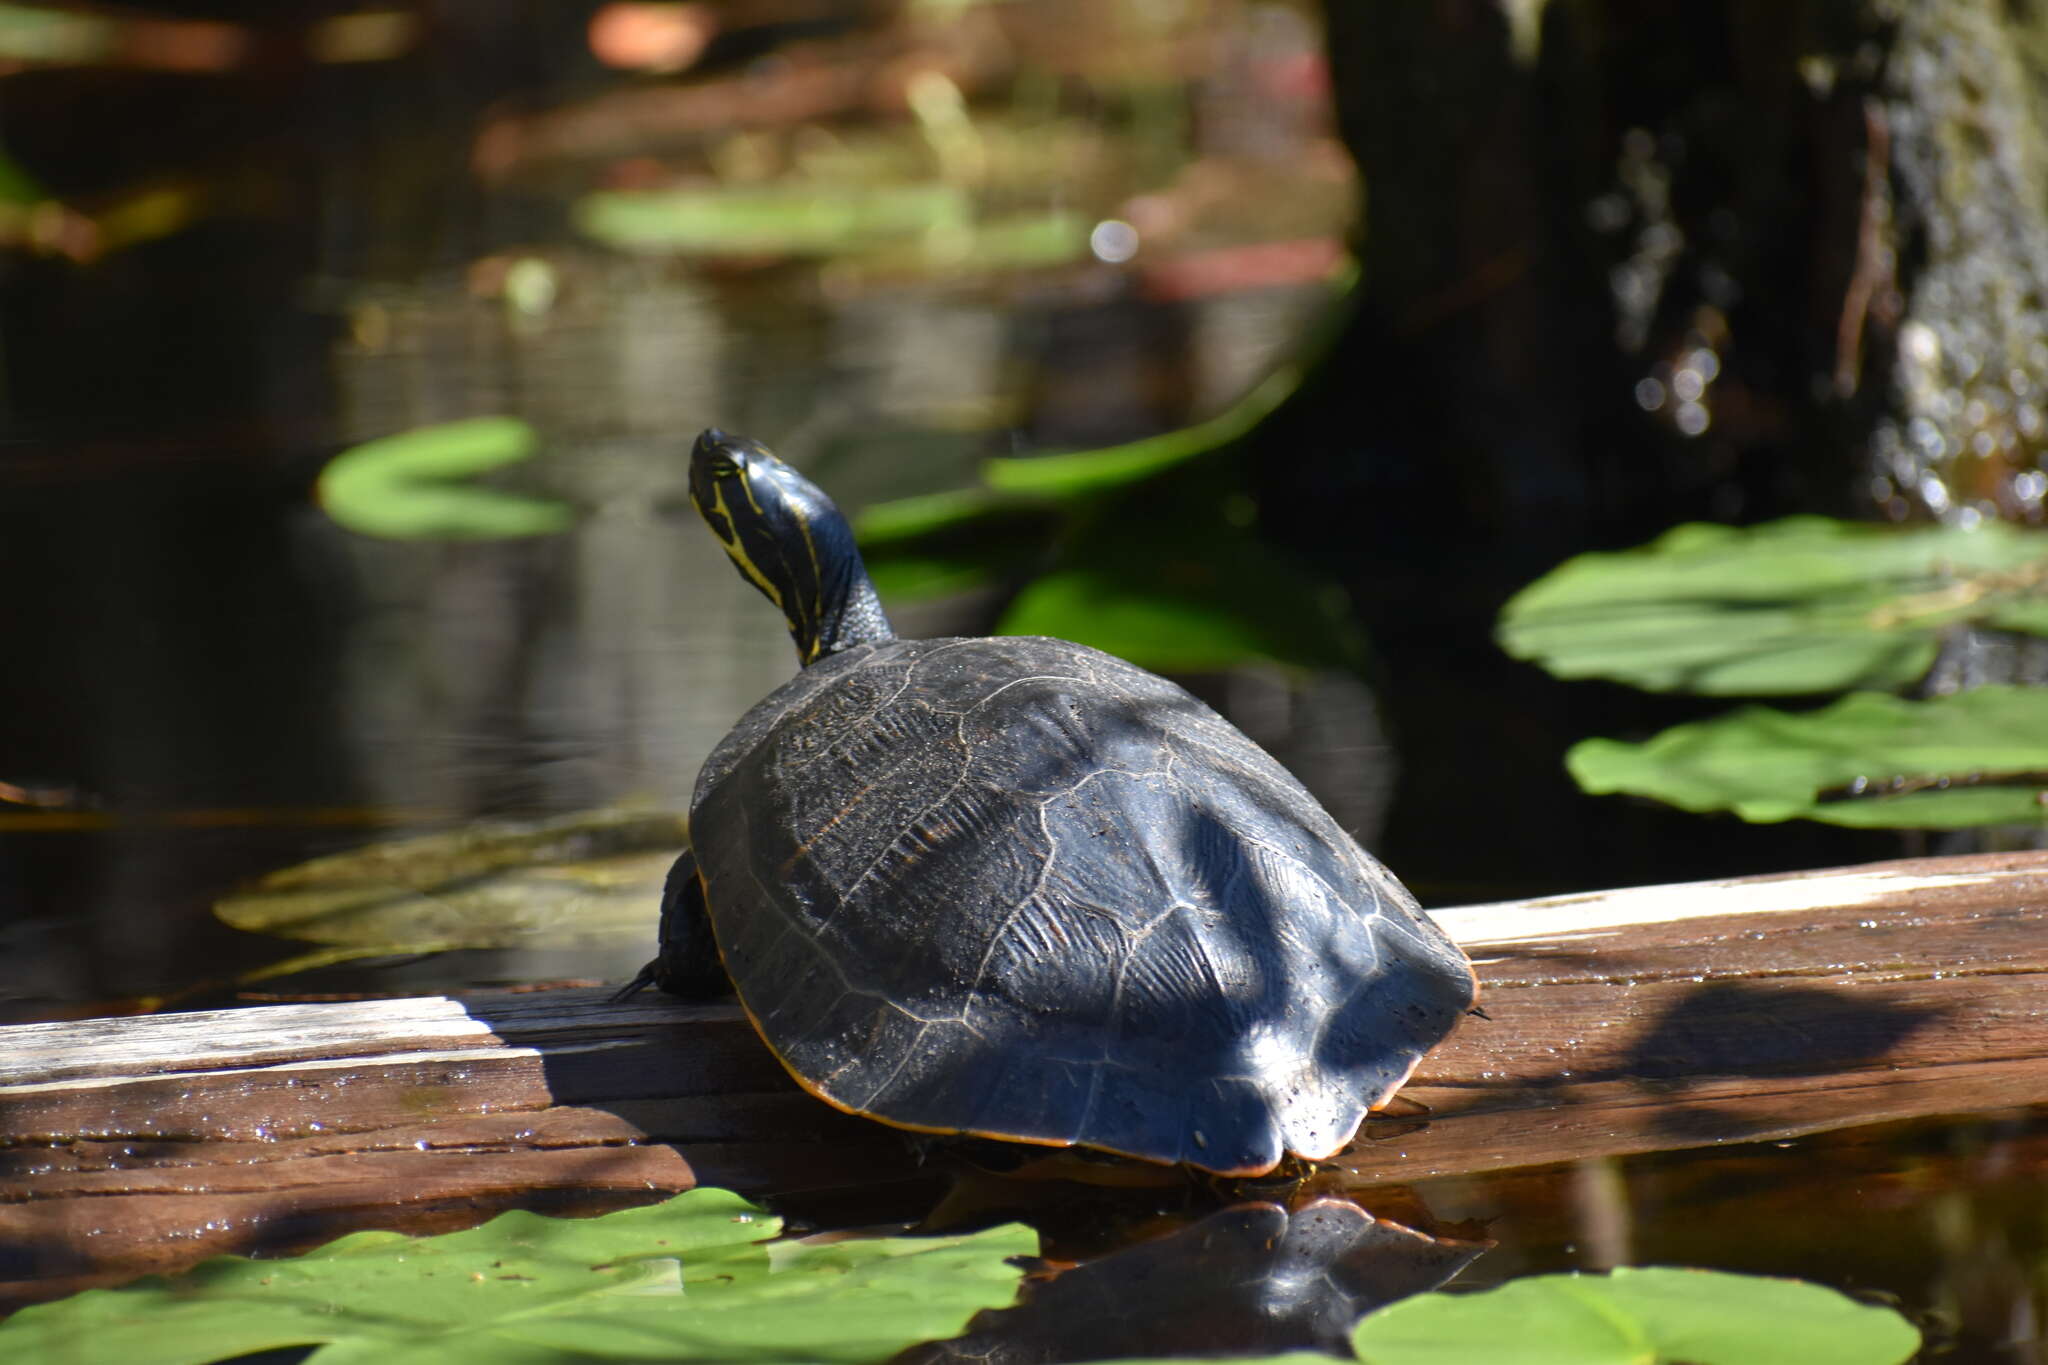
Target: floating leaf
773, 220
412, 486
1289, 1358
1869, 760
48, 36
686, 1280
1019, 242
1801, 605
1654, 1316
574, 880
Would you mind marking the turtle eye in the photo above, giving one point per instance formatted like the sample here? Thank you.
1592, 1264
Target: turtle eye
723, 467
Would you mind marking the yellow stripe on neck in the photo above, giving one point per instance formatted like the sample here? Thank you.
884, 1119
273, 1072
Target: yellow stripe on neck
736, 547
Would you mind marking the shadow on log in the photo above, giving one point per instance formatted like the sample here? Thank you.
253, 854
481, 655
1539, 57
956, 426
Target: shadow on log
1620, 1022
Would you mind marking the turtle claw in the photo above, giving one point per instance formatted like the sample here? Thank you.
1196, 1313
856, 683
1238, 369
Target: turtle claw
649, 976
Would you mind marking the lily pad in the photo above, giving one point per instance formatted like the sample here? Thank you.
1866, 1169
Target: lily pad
797, 219
691, 1279
1801, 605
414, 485
1870, 760
575, 880
1653, 1316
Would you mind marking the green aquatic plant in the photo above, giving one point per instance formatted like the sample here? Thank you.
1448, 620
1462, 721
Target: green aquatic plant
1149, 550
419, 485
574, 881
701, 1277
1652, 1316
1806, 605
1973, 758
696, 1278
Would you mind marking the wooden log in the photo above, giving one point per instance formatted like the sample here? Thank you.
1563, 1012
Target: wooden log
1616, 1022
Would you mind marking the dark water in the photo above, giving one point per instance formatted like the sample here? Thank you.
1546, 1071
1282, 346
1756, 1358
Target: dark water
1941, 1219
204, 678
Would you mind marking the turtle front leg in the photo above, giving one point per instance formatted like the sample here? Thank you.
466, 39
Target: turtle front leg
686, 961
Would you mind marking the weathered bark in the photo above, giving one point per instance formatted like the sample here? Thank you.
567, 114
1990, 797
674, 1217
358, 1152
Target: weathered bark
1960, 108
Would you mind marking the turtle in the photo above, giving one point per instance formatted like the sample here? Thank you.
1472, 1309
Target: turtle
1015, 887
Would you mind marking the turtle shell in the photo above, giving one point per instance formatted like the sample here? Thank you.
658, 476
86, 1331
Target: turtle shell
1019, 888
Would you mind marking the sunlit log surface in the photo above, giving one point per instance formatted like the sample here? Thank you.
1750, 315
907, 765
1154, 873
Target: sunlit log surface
1617, 1022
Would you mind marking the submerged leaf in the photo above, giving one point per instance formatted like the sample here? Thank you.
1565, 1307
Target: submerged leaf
413, 486
18, 188
1801, 605
950, 542
577, 879
1653, 1316
1176, 579
1869, 760
687, 1280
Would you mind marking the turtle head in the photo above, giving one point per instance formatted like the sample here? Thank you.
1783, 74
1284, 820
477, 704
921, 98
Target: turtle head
788, 540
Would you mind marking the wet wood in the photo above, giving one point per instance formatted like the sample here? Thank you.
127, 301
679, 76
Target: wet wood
1643, 1020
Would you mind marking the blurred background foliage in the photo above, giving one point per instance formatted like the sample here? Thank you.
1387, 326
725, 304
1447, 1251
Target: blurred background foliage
349, 355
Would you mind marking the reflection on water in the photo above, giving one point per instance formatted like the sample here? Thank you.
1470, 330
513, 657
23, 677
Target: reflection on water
206, 680
1946, 1220
409, 239
1254, 1277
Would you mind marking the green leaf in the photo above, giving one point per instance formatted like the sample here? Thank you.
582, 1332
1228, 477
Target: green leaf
412, 486
908, 576
908, 520
580, 879
774, 220
47, 35
1183, 591
1801, 605
1019, 242
686, 1280
1869, 760
2028, 615
1290, 1358
1654, 1316
1084, 473
18, 189
950, 542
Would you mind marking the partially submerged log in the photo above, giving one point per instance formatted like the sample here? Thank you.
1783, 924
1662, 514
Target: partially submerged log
1617, 1022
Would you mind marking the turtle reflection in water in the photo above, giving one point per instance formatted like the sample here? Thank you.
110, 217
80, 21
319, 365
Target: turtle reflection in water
1254, 1278
1021, 889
